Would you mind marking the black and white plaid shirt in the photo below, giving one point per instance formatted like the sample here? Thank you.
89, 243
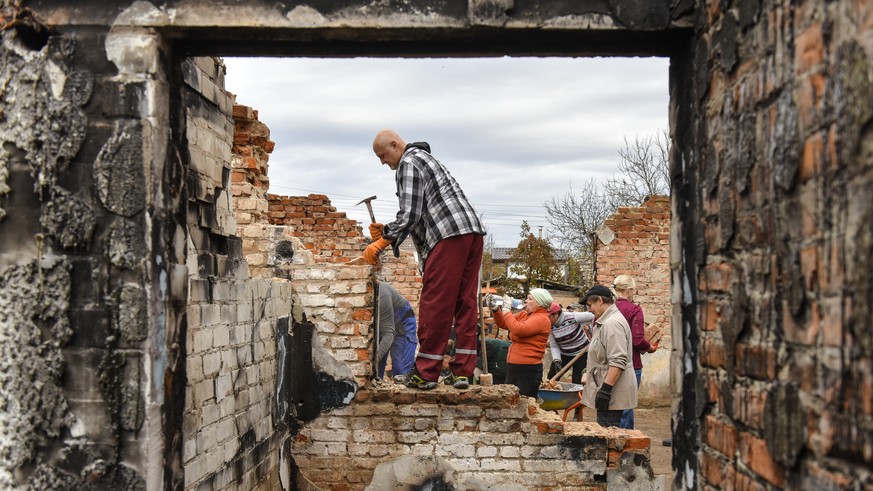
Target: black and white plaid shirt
432, 205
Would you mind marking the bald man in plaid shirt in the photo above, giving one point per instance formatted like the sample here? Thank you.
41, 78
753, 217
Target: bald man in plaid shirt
448, 236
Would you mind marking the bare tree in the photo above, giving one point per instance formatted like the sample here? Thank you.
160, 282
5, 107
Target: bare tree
644, 170
573, 219
575, 216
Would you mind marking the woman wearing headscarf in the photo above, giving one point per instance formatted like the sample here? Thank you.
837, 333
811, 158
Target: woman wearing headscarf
529, 332
625, 287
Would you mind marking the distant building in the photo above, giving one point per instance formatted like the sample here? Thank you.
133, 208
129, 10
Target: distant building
501, 258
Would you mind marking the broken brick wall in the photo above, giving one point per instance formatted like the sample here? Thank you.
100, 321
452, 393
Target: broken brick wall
489, 436
326, 232
229, 436
403, 273
635, 241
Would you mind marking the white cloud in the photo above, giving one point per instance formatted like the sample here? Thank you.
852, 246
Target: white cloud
513, 131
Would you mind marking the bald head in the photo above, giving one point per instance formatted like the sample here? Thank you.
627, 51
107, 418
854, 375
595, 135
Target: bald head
389, 147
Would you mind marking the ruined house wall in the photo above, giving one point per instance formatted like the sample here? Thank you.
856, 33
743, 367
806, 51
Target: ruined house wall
771, 228
229, 437
636, 241
326, 232
779, 243
488, 435
81, 397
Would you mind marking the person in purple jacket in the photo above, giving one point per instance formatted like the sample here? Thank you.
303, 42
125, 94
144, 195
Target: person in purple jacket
625, 287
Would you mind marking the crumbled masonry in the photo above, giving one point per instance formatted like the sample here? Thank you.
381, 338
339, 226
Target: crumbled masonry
151, 289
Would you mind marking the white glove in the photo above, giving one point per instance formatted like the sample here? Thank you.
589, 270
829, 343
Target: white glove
507, 302
494, 302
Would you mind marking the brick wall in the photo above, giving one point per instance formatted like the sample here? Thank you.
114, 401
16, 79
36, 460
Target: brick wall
324, 231
403, 273
488, 435
328, 233
777, 240
229, 438
636, 241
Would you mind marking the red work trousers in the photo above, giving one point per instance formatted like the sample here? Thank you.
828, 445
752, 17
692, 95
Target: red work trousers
449, 295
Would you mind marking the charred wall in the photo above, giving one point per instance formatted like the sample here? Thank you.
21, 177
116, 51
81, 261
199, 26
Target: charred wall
76, 260
770, 235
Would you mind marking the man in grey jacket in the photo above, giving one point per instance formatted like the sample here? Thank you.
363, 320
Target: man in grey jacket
611, 385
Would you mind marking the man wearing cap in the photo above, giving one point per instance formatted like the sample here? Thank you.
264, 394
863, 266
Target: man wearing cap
448, 236
611, 385
567, 339
529, 332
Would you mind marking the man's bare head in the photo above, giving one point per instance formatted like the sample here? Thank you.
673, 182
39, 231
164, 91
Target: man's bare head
389, 147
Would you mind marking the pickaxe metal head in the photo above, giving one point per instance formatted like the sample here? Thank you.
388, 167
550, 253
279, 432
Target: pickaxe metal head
369, 206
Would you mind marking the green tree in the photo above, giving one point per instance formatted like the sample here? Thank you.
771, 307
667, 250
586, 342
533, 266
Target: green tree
533, 259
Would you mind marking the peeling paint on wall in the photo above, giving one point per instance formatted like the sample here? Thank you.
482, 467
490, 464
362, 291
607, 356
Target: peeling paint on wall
118, 171
34, 299
41, 114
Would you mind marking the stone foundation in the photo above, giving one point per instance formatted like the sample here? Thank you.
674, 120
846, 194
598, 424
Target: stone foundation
488, 435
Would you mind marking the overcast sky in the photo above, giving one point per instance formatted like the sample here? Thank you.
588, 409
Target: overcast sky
513, 131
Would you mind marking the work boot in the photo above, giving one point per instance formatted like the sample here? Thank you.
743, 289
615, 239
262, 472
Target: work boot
458, 382
414, 380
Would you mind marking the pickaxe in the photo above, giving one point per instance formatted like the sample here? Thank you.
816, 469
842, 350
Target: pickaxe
369, 206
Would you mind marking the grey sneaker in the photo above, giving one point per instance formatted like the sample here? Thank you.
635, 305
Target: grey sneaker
459, 382
414, 380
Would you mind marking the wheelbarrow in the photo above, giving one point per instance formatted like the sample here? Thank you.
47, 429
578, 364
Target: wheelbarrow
563, 395
566, 396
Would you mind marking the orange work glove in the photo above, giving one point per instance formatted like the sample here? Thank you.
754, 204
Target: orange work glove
371, 253
376, 231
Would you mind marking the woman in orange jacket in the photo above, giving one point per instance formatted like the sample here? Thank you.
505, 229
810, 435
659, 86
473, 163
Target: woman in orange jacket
529, 332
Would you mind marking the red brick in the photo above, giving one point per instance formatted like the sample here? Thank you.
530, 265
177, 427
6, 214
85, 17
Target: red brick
716, 277
362, 315
755, 455
240, 138
715, 472
809, 49
242, 112
712, 392
712, 353
637, 443
744, 482
756, 361
711, 315
810, 95
748, 406
811, 161
613, 459
720, 436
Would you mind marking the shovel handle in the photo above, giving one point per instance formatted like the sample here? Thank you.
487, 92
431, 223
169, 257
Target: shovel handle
568, 365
